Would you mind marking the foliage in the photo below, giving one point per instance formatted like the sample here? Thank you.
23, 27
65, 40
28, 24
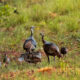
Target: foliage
59, 20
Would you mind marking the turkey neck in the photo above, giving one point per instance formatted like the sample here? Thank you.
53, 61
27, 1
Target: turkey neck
43, 39
31, 32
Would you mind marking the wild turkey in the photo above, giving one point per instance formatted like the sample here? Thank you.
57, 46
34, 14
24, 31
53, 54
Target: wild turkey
50, 49
34, 57
6, 60
30, 44
64, 51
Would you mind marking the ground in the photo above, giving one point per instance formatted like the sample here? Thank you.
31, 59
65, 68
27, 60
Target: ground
59, 20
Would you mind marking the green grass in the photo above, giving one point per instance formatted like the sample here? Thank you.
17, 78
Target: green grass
59, 20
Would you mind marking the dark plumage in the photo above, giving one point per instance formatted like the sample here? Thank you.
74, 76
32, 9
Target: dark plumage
64, 51
6, 60
34, 57
30, 44
16, 12
50, 49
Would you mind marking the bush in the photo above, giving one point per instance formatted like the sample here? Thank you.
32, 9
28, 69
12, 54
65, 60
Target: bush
5, 10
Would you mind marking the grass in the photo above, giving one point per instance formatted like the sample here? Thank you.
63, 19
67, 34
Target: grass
58, 20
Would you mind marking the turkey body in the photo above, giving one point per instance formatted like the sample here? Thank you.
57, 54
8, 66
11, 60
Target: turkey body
34, 57
50, 49
30, 44
6, 60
